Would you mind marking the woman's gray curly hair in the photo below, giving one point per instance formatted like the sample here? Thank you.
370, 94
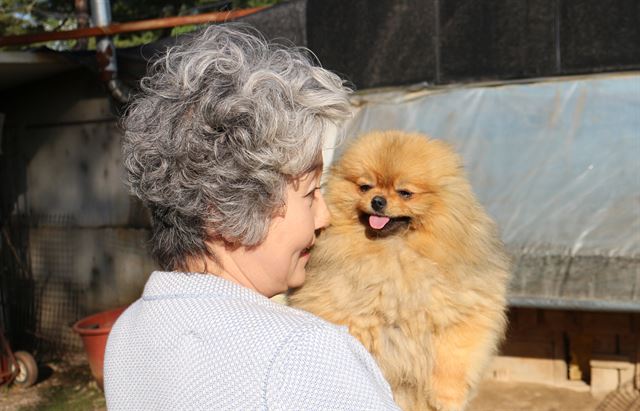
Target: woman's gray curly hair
222, 124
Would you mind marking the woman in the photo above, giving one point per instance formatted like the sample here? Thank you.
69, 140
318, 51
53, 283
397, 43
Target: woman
224, 147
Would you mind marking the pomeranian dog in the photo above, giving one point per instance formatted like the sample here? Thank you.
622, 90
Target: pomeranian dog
413, 266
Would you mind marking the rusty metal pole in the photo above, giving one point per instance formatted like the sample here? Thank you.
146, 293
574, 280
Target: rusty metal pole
106, 53
128, 27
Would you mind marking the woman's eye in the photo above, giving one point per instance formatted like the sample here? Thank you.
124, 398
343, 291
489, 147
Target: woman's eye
312, 194
405, 193
365, 187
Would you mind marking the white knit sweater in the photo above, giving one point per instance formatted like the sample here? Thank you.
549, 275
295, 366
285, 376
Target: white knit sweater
199, 342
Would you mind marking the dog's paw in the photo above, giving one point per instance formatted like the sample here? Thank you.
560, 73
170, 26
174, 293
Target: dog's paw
443, 403
449, 397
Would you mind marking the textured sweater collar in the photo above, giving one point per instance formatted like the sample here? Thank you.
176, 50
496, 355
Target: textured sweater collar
164, 284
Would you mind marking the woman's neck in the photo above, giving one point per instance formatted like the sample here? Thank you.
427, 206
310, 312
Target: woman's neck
226, 264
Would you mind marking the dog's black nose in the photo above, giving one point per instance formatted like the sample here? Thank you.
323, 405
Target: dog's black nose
378, 203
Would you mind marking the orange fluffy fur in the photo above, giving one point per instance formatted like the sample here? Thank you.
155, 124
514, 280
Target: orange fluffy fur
425, 294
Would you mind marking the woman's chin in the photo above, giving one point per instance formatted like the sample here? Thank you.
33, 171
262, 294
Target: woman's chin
297, 279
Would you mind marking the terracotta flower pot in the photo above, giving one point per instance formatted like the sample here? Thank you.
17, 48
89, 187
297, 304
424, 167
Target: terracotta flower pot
94, 331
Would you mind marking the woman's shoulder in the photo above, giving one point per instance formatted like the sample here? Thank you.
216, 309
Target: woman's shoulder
321, 366
301, 334
312, 337
288, 324
279, 307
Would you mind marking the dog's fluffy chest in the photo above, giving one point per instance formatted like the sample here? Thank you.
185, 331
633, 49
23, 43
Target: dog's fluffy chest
394, 283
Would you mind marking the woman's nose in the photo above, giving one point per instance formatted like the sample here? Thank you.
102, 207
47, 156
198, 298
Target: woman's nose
322, 216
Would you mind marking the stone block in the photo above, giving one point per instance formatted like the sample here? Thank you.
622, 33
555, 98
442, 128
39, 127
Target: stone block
608, 373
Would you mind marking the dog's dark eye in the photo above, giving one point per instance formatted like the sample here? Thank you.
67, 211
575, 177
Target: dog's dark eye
405, 193
365, 187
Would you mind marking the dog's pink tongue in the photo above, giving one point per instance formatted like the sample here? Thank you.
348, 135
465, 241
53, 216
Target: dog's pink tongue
378, 222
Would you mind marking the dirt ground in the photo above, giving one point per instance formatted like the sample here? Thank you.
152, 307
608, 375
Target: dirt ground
67, 385
508, 396
64, 385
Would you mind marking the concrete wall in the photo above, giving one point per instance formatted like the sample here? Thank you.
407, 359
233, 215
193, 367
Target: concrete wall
86, 237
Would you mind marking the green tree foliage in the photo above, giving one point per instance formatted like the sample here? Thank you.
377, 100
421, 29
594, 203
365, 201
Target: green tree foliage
35, 16
23, 16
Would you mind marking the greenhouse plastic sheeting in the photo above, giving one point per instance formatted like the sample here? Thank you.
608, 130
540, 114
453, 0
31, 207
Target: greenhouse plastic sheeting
556, 163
